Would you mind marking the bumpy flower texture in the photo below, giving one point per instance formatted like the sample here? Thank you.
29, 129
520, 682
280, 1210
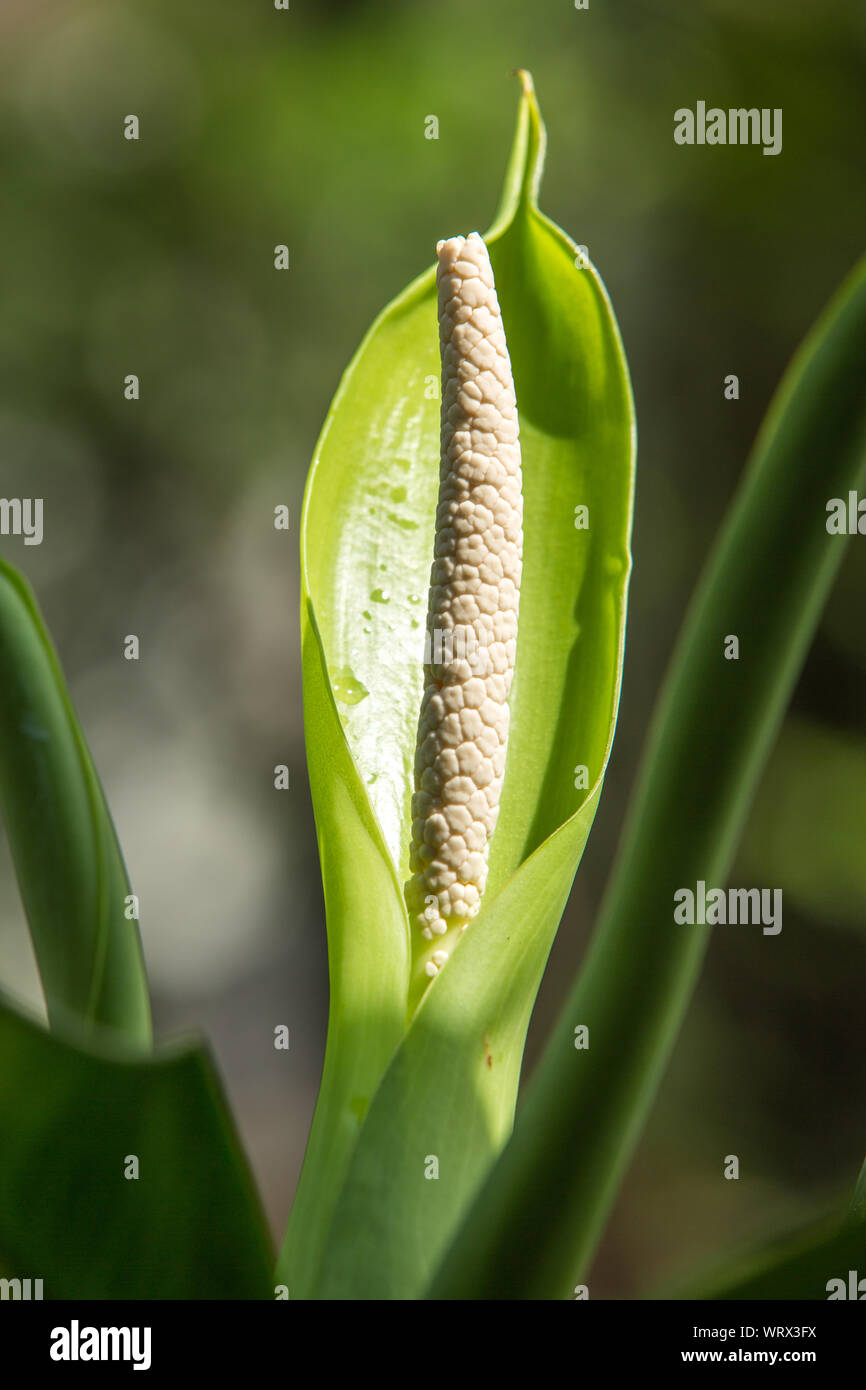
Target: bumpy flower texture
473, 603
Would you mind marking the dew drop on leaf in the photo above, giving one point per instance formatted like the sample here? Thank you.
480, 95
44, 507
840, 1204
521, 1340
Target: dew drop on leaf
347, 688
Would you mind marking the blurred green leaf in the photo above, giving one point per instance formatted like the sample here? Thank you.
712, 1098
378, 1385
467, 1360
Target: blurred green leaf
190, 1226
858, 1202
368, 531
816, 860
67, 858
798, 1267
535, 1225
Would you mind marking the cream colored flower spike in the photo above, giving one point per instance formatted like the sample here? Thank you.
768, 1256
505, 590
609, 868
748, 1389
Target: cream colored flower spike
472, 610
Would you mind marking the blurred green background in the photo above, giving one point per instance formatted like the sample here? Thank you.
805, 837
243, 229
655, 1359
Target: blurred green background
155, 257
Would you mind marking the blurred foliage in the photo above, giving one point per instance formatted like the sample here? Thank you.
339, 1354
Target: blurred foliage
806, 831
306, 127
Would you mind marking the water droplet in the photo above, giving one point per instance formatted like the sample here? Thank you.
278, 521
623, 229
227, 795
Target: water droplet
367, 614
380, 596
371, 779
414, 598
398, 494
403, 522
347, 688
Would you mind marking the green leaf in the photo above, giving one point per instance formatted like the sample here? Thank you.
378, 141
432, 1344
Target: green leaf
450, 1090
368, 957
532, 1232
189, 1226
368, 530
69, 865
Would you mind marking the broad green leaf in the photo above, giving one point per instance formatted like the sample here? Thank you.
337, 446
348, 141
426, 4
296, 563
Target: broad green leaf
189, 1226
69, 865
368, 533
532, 1231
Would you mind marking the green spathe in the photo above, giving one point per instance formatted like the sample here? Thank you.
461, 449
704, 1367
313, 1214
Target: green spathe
447, 1070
